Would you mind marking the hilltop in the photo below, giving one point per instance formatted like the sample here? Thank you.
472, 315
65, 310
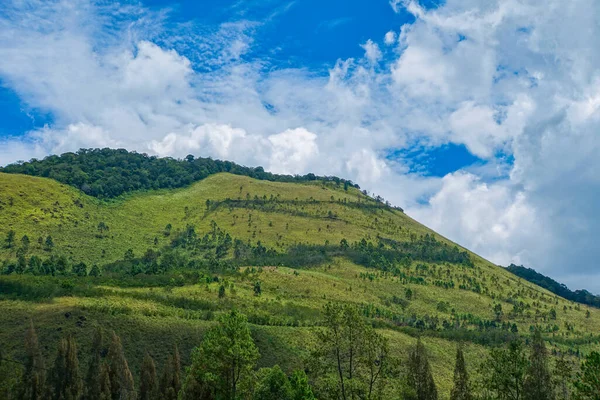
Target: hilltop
150, 264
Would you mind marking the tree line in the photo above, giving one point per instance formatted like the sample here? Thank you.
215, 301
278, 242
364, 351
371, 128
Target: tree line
350, 361
108, 173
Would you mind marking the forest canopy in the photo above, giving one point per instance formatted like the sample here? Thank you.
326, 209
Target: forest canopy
108, 173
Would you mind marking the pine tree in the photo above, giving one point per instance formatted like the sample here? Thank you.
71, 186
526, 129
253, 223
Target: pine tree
65, 379
538, 381
105, 392
301, 389
562, 377
420, 378
34, 376
93, 381
121, 380
461, 389
170, 383
587, 385
148, 380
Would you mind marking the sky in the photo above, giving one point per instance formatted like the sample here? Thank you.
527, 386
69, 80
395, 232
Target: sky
481, 118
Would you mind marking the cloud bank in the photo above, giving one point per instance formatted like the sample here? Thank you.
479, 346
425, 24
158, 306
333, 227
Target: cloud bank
516, 82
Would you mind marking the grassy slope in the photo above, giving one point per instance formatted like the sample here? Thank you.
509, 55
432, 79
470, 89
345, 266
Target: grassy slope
42, 207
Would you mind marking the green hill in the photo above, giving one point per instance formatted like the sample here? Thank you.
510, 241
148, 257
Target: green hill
163, 255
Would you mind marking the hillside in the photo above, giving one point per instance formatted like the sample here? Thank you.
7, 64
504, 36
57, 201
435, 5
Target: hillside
164, 254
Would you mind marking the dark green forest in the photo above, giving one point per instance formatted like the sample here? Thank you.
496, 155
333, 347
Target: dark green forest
108, 173
578, 296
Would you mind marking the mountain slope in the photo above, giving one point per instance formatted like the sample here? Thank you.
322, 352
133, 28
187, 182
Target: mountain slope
343, 246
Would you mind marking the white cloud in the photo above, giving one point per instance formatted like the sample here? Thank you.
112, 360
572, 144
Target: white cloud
390, 38
516, 78
372, 52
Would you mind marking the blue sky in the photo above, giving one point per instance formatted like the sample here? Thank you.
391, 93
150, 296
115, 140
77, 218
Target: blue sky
306, 34
478, 117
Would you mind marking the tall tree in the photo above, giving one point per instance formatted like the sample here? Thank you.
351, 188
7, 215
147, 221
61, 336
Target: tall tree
562, 377
351, 358
148, 380
65, 379
461, 389
121, 380
93, 380
503, 373
420, 378
34, 376
538, 380
587, 385
226, 355
170, 383
105, 392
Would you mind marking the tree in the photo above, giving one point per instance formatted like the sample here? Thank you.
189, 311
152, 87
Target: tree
65, 378
221, 291
121, 380
419, 377
105, 392
587, 385
95, 271
226, 355
503, 372
257, 288
102, 227
538, 380
461, 389
148, 380
93, 380
80, 269
351, 358
301, 389
34, 376
170, 382
25, 243
562, 377
272, 384
10, 239
49, 244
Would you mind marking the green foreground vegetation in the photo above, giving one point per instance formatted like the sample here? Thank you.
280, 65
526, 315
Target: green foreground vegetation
165, 267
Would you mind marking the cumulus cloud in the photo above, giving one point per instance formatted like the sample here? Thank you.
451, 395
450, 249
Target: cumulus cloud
516, 82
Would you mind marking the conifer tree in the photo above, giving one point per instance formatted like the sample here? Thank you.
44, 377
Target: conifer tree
121, 380
93, 381
65, 379
105, 392
148, 380
562, 377
587, 385
420, 378
538, 381
461, 389
34, 376
170, 383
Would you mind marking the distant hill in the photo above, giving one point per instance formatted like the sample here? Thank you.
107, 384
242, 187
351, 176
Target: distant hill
578, 296
108, 173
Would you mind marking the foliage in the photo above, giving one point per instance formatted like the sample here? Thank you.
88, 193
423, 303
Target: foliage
538, 380
587, 385
226, 355
350, 353
579, 296
419, 376
503, 373
462, 388
108, 173
272, 384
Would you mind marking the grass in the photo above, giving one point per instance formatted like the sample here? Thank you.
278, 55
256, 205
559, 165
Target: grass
286, 315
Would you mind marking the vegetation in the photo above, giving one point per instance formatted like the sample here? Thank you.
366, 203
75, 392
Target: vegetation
309, 270
579, 296
223, 367
108, 173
